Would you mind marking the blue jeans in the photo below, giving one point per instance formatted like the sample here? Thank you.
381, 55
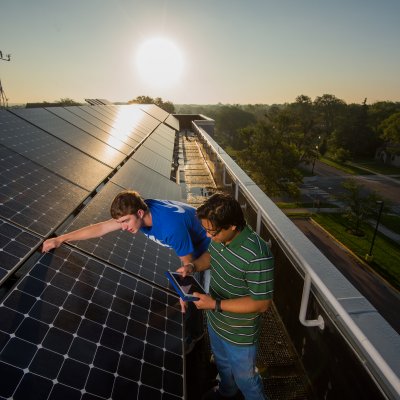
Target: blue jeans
236, 367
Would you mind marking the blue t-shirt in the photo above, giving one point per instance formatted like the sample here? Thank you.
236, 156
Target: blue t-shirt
175, 225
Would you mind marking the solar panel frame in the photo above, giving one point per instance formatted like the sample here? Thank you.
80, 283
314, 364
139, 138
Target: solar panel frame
16, 245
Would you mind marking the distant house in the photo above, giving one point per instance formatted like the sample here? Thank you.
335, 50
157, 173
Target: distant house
389, 154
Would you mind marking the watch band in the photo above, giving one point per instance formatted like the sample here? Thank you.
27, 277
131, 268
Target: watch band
217, 305
192, 267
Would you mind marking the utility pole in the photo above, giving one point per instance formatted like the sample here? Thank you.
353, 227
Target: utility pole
3, 97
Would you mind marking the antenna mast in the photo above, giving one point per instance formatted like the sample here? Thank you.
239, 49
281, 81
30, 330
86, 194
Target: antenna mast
3, 97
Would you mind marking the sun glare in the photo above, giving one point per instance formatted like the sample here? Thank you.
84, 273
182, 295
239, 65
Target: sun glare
159, 62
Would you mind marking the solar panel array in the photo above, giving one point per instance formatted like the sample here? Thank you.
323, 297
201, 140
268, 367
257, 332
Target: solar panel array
92, 319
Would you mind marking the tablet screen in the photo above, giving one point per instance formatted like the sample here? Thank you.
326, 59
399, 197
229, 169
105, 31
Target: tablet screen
188, 284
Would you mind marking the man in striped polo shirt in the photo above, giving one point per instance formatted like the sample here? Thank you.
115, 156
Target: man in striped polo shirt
241, 289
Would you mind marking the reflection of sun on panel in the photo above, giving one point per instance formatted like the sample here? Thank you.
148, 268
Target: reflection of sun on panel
159, 62
126, 121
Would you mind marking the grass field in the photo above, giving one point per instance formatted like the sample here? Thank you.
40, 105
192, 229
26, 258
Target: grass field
386, 253
391, 222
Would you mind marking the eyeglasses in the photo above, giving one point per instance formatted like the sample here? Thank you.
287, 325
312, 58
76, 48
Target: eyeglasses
215, 232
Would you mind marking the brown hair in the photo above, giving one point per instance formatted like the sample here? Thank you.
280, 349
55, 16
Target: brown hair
127, 202
222, 210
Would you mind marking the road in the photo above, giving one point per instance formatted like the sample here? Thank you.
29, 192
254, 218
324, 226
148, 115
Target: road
327, 184
382, 296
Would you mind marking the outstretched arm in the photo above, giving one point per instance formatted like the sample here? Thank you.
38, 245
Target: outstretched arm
87, 232
199, 264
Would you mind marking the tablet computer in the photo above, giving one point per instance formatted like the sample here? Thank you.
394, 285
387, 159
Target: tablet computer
185, 286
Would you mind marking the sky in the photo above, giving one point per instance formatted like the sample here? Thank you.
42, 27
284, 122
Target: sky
231, 51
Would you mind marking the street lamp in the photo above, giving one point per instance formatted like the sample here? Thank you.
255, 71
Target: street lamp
369, 256
315, 157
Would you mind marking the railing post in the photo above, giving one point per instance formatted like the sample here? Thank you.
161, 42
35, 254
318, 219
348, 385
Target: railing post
224, 177
304, 303
258, 226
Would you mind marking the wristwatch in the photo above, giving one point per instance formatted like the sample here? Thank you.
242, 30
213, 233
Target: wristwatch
193, 268
217, 305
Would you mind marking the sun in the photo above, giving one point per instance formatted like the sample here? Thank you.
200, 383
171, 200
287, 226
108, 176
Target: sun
159, 62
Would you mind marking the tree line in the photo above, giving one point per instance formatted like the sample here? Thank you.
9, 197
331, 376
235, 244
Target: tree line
270, 142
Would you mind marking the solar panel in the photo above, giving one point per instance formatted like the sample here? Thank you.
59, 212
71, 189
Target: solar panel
173, 122
134, 253
167, 139
98, 133
32, 196
166, 133
154, 161
92, 319
97, 114
136, 175
15, 246
155, 146
50, 152
155, 111
104, 126
75, 328
71, 135
128, 125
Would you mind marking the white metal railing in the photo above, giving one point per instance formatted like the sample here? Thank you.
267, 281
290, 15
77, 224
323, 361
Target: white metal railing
381, 370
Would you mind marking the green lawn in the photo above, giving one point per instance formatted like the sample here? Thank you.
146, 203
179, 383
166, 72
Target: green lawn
344, 167
378, 167
386, 253
391, 222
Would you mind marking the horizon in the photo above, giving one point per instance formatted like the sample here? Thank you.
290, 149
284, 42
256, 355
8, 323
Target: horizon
260, 52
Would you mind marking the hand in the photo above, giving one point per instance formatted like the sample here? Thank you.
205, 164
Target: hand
186, 269
206, 302
50, 244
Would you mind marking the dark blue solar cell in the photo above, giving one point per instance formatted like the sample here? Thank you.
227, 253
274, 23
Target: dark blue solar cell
46, 363
41, 386
82, 350
100, 383
106, 359
63, 392
10, 377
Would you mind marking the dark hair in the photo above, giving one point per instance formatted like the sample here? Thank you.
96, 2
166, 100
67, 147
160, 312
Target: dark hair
222, 210
127, 202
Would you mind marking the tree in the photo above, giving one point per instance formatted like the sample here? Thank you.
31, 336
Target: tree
329, 108
360, 204
391, 129
165, 105
270, 160
228, 121
380, 111
353, 133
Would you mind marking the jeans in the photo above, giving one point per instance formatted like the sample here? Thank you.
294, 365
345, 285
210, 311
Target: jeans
236, 367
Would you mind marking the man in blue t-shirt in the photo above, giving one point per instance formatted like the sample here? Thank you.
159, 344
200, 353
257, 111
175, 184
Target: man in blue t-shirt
169, 223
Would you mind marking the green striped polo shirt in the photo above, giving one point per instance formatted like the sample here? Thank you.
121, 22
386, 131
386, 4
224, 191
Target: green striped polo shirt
244, 267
